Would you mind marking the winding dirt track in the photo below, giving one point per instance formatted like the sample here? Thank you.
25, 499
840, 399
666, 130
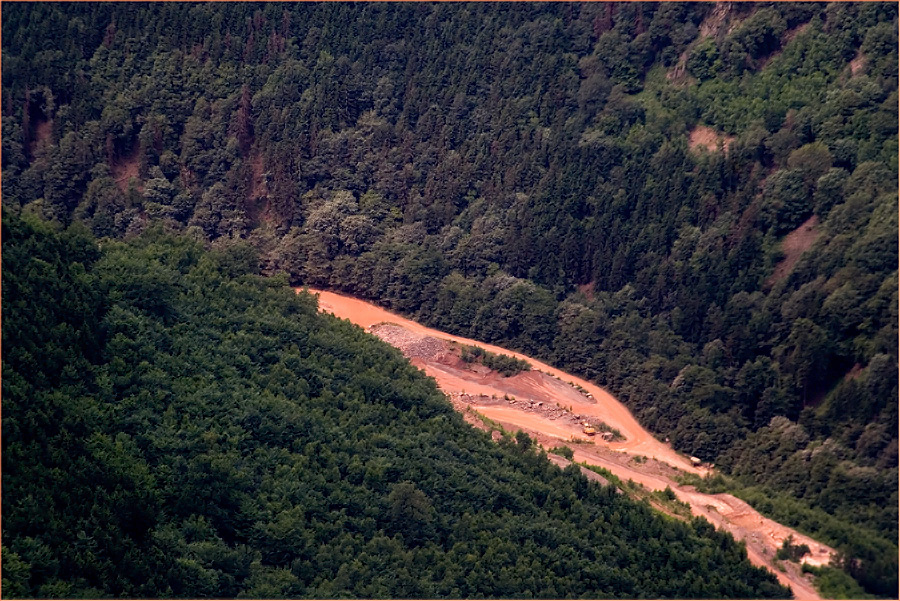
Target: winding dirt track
625, 458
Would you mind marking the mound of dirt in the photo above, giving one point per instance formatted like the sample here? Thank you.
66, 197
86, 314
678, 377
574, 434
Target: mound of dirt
708, 138
413, 346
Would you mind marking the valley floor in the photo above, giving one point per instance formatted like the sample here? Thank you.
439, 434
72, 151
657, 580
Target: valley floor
552, 406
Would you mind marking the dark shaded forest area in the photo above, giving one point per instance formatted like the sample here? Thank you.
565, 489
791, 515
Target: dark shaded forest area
175, 425
529, 175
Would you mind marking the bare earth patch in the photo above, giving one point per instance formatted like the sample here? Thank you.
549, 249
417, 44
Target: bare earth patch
708, 138
678, 74
857, 64
127, 168
587, 290
258, 206
717, 21
41, 132
793, 246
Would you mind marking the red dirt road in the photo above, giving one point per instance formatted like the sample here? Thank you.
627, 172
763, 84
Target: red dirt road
545, 405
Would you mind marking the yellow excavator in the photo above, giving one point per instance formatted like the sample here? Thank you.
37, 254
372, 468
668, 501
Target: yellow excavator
588, 429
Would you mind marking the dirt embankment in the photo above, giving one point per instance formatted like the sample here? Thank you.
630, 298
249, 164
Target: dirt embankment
793, 246
552, 406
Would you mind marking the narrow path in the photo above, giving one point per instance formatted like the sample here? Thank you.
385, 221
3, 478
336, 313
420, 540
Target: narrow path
640, 457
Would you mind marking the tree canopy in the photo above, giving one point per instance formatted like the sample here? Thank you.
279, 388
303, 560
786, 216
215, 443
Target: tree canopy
532, 175
177, 426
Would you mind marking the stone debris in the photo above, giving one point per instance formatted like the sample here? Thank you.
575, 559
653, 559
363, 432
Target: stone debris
551, 412
429, 348
410, 344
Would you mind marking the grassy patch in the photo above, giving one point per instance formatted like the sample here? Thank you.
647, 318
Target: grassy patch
506, 365
662, 500
563, 452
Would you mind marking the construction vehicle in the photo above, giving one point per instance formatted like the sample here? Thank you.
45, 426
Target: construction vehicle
588, 429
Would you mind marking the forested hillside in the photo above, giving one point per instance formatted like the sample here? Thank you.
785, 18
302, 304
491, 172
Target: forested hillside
626, 190
175, 425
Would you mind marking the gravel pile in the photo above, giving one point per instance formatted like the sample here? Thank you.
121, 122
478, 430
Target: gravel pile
410, 344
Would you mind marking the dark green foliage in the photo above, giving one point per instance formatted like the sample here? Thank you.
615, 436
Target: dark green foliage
175, 426
521, 176
506, 365
563, 452
703, 61
790, 551
834, 583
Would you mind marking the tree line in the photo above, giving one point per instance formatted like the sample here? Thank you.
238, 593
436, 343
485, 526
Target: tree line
522, 175
176, 425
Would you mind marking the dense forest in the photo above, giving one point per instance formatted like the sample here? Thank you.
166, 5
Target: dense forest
529, 174
175, 425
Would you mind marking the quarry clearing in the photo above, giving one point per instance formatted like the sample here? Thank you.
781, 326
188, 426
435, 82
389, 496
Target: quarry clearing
553, 406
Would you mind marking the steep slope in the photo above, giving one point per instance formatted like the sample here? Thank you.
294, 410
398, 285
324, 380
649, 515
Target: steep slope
177, 427
476, 166
538, 400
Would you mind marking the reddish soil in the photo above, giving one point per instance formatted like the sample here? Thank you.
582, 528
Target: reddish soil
854, 372
716, 22
546, 404
127, 168
793, 246
857, 64
40, 134
587, 290
600, 404
258, 207
708, 138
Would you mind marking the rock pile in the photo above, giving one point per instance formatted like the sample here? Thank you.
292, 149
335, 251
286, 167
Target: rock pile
410, 344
